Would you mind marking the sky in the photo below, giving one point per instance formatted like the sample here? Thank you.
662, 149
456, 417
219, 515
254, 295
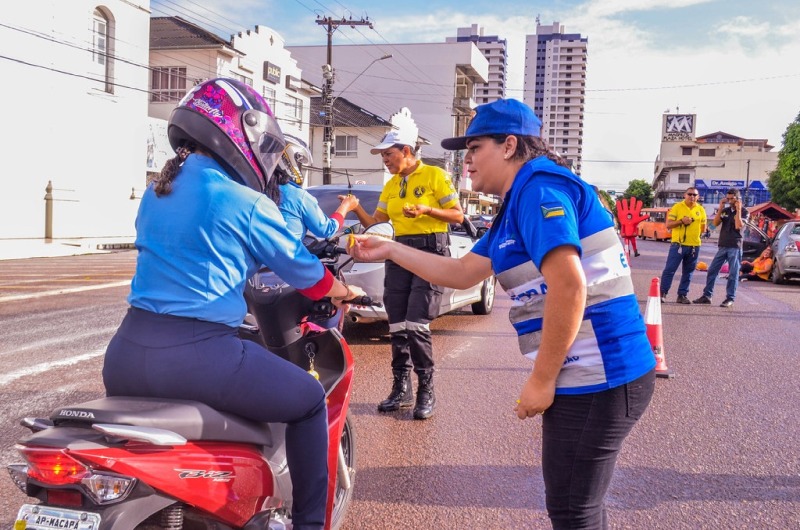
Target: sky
733, 63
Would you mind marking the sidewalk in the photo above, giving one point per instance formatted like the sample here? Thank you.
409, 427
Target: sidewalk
42, 248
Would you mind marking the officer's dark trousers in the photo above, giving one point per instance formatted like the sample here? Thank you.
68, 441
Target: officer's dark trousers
166, 356
411, 304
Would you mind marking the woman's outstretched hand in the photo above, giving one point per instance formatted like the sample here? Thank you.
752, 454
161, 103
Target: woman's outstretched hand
369, 247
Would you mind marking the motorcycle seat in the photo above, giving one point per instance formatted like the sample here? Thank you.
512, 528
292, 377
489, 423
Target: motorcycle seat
193, 420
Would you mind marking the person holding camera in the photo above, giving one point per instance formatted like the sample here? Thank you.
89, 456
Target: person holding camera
730, 218
687, 220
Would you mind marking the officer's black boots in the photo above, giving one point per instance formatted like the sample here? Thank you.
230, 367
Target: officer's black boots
426, 399
401, 395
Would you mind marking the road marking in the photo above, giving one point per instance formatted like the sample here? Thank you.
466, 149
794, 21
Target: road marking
44, 367
16, 297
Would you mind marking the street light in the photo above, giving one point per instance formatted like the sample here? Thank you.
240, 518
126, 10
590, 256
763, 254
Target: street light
327, 105
383, 58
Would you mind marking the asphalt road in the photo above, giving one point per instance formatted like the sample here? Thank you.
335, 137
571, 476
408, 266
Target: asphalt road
717, 448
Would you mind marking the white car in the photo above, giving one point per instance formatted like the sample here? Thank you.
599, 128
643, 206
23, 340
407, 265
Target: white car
369, 276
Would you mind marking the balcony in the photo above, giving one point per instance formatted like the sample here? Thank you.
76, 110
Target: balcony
464, 105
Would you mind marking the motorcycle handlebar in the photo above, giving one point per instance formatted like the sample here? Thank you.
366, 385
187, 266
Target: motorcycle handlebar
362, 300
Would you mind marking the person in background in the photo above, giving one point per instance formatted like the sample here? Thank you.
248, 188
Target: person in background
556, 253
730, 218
421, 202
204, 227
687, 220
298, 207
758, 269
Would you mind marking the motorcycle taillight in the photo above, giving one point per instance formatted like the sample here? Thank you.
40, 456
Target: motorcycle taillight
53, 466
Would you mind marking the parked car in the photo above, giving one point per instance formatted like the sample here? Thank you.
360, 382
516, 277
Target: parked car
482, 222
754, 241
369, 276
786, 252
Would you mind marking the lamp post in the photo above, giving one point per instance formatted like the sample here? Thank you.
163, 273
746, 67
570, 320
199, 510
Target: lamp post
327, 105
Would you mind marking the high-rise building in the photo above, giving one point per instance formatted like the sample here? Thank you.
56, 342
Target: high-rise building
555, 86
494, 49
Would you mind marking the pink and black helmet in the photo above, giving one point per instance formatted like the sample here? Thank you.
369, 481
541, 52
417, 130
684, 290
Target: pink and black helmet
233, 123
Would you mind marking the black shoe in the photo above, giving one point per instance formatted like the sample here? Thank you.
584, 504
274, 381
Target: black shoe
426, 399
636, 254
401, 395
683, 300
663, 298
702, 300
726, 303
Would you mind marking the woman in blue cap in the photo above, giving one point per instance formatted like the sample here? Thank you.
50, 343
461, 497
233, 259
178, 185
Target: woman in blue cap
555, 252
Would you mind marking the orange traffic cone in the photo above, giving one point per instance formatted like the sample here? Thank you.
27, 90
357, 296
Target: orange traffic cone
652, 320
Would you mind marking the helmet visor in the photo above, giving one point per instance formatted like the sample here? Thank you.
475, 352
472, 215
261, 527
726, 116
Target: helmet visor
266, 140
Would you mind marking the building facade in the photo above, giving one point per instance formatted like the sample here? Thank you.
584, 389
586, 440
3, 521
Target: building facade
495, 50
713, 163
183, 54
76, 90
435, 80
555, 87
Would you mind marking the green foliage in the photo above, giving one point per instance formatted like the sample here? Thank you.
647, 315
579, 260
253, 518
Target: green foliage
784, 181
607, 201
642, 190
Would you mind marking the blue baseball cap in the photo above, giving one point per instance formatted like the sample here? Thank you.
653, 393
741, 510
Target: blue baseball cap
503, 116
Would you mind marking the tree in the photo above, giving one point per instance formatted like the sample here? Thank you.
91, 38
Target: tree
784, 180
640, 189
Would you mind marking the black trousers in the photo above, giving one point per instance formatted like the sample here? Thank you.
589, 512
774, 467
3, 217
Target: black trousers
582, 436
411, 304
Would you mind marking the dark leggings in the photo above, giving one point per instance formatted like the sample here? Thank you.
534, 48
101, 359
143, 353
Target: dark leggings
582, 437
182, 358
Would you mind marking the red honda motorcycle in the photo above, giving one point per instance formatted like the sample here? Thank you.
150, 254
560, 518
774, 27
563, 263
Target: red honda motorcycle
126, 463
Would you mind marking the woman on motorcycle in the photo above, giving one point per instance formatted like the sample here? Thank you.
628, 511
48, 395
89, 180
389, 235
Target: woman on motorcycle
299, 208
203, 228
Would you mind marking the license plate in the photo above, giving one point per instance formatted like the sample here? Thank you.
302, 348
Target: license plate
38, 517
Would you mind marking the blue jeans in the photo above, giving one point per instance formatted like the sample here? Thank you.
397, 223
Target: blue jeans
679, 254
582, 436
733, 255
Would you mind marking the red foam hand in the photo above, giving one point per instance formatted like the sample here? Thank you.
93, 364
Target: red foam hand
629, 214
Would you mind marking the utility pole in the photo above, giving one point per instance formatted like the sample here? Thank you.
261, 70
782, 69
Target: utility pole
746, 186
330, 25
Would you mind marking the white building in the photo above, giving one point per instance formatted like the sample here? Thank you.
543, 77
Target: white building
75, 84
555, 86
183, 54
712, 163
494, 49
435, 80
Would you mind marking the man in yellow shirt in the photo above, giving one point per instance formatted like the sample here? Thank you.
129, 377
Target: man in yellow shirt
687, 220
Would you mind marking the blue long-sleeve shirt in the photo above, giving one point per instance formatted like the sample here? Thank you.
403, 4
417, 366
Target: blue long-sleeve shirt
302, 212
199, 244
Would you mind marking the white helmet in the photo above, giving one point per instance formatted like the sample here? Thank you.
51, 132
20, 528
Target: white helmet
296, 156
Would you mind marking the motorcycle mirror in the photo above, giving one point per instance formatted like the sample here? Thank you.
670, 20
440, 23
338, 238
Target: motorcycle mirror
385, 229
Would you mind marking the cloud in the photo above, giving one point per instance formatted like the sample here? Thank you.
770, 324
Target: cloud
609, 8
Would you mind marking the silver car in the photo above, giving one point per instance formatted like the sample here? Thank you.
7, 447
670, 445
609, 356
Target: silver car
786, 252
369, 276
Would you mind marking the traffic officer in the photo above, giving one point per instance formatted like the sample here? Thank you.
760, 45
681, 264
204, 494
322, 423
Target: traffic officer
421, 202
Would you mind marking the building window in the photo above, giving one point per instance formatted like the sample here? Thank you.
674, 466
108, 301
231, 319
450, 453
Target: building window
707, 152
687, 151
346, 146
294, 110
269, 94
244, 79
102, 49
169, 83
683, 178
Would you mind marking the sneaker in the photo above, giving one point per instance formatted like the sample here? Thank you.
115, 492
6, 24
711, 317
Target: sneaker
702, 300
726, 303
636, 254
663, 298
683, 300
